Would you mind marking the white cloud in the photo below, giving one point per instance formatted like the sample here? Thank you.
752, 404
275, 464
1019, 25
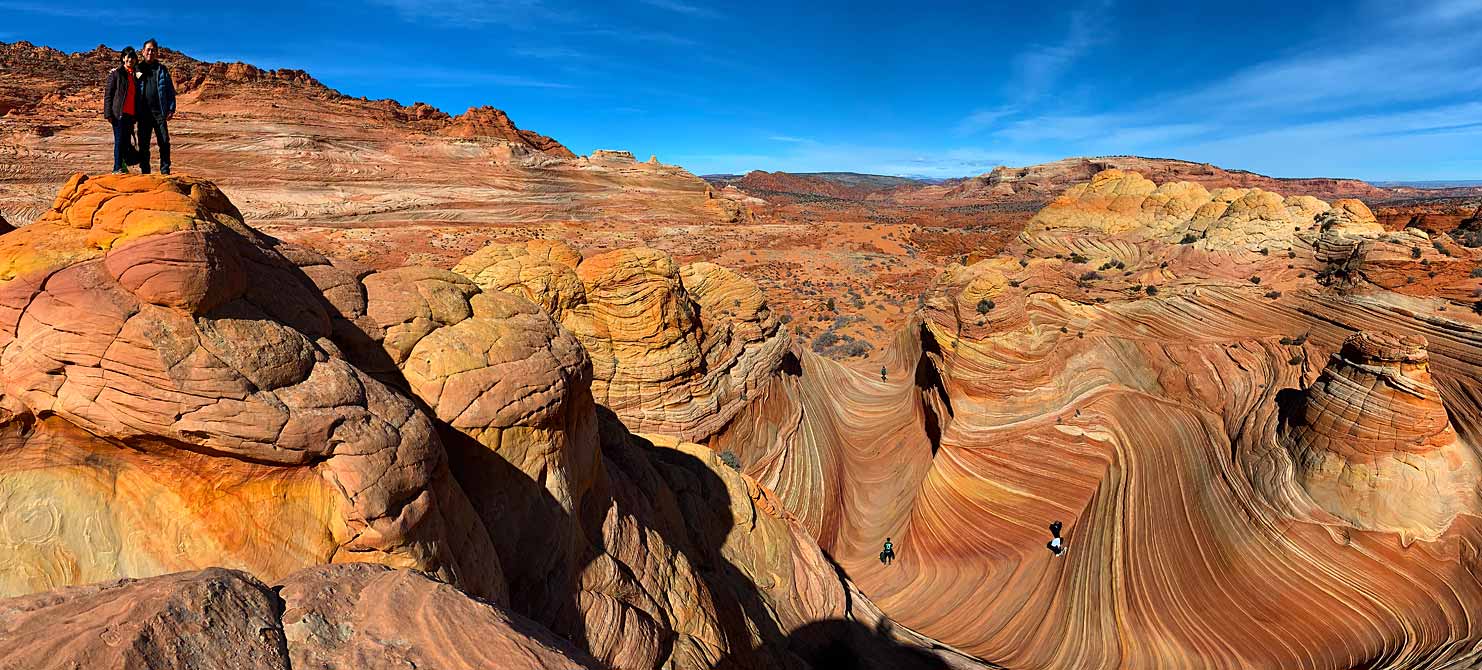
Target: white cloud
683, 8
984, 119
522, 14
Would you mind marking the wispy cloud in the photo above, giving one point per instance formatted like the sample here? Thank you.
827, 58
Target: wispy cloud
552, 53
789, 139
1039, 68
683, 8
520, 14
64, 11
642, 36
440, 77
984, 119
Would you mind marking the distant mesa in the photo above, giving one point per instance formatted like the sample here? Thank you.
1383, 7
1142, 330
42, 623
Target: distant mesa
1049, 179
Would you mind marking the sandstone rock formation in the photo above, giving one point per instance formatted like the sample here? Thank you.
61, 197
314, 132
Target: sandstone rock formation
214, 619
146, 333
1372, 443
349, 615
1227, 502
372, 180
181, 391
356, 615
674, 350
1049, 179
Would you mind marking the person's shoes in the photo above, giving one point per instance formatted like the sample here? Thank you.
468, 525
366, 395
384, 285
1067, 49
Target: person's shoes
164, 170
120, 171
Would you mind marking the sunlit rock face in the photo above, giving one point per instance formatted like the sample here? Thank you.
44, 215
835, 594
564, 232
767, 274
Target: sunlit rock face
1373, 445
181, 391
675, 349
1148, 367
174, 398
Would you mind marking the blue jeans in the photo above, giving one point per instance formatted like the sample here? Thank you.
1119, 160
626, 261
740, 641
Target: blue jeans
123, 142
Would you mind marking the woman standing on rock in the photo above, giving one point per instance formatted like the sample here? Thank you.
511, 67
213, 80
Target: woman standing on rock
120, 101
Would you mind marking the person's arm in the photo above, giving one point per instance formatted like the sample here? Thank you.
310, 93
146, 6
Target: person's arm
167, 93
108, 92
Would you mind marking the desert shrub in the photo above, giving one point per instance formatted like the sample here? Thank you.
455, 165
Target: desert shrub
1023, 262
1015, 283
1441, 248
832, 307
1264, 251
1296, 360
1415, 252
729, 458
1291, 254
984, 305
825, 340
1477, 273
1091, 275
1255, 279
1152, 290
1189, 238
1273, 294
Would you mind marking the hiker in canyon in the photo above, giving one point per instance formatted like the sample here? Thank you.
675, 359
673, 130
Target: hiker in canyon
120, 107
158, 94
888, 553
1056, 545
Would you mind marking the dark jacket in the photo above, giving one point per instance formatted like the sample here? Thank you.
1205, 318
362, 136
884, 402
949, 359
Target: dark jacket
115, 94
159, 91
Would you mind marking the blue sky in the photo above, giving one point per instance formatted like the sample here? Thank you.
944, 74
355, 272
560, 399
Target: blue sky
1370, 89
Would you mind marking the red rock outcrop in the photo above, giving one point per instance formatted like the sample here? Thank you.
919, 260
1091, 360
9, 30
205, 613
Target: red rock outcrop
336, 616
181, 391
144, 329
674, 349
1372, 443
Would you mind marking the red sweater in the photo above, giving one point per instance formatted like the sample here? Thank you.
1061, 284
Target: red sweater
128, 106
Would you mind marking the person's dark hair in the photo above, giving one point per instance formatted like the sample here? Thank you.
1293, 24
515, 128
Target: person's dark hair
150, 41
127, 51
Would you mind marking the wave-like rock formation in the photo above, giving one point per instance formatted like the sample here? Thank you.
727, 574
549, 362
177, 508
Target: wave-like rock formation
1372, 444
180, 391
1145, 366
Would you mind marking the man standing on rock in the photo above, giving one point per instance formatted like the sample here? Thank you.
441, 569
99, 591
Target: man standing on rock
159, 107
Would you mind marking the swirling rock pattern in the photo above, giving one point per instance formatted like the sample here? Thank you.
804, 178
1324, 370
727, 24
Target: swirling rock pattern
1373, 445
1227, 501
180, 390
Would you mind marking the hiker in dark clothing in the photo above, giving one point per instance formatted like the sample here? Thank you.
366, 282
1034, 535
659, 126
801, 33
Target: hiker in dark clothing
1056, 545
159, 106
120, 106
888, 553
